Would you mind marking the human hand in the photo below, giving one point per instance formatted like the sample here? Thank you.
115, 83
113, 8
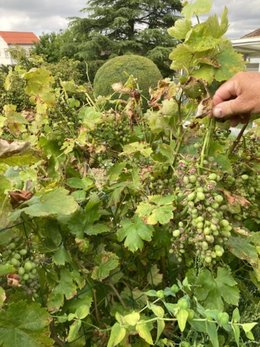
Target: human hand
238, 98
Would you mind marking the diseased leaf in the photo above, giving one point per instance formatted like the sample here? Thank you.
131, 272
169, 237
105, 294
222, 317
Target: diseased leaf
69, 283
107, 261
242, 248
154, 277
56, 202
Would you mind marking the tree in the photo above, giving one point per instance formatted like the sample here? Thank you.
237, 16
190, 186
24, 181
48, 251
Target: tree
126, 26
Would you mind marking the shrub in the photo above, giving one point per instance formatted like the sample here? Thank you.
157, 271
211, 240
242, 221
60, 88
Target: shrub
119, 69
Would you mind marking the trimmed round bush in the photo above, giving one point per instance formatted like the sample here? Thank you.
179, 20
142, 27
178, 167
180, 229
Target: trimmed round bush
118, 69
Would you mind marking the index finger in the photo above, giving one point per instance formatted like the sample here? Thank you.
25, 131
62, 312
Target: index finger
225, 92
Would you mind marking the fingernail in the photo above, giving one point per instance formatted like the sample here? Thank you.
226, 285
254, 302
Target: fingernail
217, 112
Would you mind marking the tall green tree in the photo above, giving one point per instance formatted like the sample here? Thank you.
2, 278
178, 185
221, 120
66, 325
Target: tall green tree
126, 26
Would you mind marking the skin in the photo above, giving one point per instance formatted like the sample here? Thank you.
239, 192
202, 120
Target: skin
238, 98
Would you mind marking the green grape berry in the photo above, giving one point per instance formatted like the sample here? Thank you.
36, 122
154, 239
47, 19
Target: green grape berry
28, 266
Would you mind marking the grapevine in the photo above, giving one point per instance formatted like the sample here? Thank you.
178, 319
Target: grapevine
131, 223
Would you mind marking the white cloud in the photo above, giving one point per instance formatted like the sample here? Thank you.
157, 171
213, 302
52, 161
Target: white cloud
52, 15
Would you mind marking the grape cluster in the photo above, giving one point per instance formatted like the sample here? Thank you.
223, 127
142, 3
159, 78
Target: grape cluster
25, 265
113, 132
202, 227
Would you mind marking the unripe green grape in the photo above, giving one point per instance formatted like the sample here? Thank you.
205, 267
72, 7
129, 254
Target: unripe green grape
200, 225
25, 277
191, 196
192, 178
23, 251
11, 245
208, 259
176, 233
28, 266
15, 262
200, 196
218, 198
21, 271
185, 179
213, 177
245, 177
204, 245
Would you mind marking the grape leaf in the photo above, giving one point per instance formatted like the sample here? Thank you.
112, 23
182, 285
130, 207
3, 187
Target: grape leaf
56, 202
69, 283
116, 336
182, 316
230, 62
157, 209
135, 147
74, 331
215, 291
154, 277
242, 248
180, 29
197, 8
24, 324
107, 261
90, 117
134, 231
144, 332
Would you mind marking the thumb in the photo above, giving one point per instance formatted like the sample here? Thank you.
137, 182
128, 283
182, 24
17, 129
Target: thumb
227, 108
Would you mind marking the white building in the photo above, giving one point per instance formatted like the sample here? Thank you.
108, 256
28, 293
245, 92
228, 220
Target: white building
249, 46
11, 39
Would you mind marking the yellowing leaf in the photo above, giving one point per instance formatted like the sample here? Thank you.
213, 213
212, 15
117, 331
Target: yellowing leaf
117, 335
144, 332
74, 331
197, 8
180, 29
131, 318
135, 147
182, 316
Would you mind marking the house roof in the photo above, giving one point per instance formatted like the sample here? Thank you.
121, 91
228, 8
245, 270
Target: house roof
18, 37
255, 33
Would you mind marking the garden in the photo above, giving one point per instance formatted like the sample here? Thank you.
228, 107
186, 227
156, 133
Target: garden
130, 216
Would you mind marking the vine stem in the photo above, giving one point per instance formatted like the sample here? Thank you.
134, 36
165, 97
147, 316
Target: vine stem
237, 140
206, 141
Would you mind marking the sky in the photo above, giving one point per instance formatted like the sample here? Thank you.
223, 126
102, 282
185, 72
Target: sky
45, 16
